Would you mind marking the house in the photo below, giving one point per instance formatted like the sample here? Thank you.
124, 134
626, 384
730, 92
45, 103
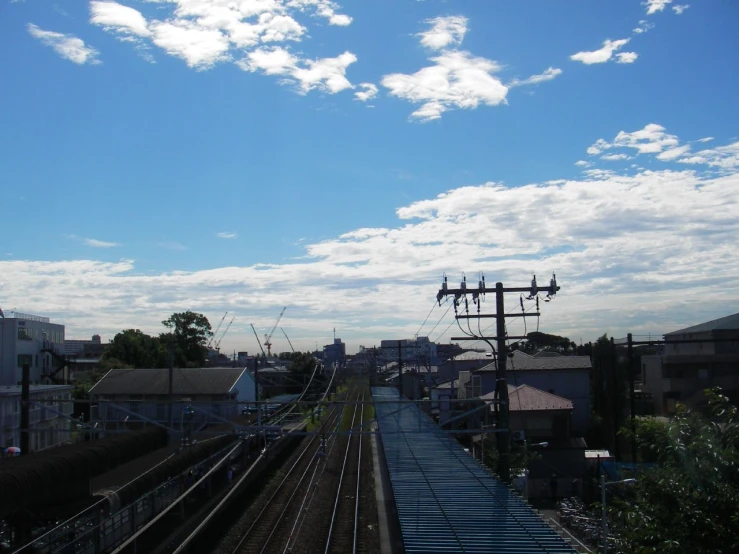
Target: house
29, 339
466, 361
694, 359
441, 397
134, 396
564, 376
49, 415
536, 414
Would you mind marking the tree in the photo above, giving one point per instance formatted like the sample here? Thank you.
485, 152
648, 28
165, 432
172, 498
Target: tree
536, 341
302, 362
134, 348
189, 333
689, 501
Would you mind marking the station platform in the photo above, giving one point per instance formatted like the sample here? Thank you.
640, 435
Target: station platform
445, 500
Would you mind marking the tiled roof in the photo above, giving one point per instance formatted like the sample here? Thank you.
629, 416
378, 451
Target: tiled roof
728, 323
196, 381
523, 362
525, 398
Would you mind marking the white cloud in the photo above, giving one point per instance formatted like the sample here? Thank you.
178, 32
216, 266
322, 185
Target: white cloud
652, 139
368, 93
615, 157
324, 8
201, 48
626, 57
724, 158
123, 19
226, 235
100, 243
68, 47
457, 80
680, 9
704, 139
643, 27
673, 153
549, 74
654, 6
601, 55
444, 32
207, 32
621, 245
583, 163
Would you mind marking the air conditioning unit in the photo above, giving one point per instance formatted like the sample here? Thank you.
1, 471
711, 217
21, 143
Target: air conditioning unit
519, 436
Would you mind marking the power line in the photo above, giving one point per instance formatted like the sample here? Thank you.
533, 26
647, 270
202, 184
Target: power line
433, 307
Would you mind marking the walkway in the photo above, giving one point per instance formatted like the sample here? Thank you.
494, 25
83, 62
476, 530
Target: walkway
446, 501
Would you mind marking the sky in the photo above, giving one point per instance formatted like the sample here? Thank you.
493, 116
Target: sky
340, 158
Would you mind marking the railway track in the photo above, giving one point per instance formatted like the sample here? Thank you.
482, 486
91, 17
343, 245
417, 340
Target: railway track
345, 528
270, 529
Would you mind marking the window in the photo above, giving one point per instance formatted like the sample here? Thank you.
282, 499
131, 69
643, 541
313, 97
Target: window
24, 334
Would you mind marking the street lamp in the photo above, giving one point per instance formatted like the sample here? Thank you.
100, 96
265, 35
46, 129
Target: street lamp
603, 485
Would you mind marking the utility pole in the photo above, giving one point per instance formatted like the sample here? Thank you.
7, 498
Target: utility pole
615, 399
170, 414
501, 384
400, 369
630, 354
25, 407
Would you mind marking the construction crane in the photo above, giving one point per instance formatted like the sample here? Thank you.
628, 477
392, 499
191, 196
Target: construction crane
210, 342
288, 340
257, 337
218, 342
268, 338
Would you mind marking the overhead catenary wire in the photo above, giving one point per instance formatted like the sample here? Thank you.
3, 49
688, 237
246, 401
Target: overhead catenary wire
433, 307
442, 317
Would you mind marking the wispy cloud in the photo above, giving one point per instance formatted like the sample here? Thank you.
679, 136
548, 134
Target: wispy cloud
601, 55
100, 243
643, 27
226, 235
68, 47
680, 9
626, 57
549, 74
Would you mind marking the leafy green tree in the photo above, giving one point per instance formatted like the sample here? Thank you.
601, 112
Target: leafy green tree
689, 501
134, 348
302, 362
189, 333
536, 341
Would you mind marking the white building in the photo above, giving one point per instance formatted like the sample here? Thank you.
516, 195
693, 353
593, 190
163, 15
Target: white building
47, 427
28, 339
418, 351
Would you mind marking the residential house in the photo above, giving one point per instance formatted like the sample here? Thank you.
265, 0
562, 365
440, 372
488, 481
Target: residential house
133, 396
466, 361
564, 376
694, 359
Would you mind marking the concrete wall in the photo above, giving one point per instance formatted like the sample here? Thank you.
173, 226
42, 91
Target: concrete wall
11, 346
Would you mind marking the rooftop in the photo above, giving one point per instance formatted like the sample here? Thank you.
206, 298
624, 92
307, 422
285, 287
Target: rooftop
473, 355
728, 323
14, 390
526, 398
524, 362
196, 381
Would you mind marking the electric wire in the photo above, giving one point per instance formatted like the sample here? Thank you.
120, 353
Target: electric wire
442, 317
433, 306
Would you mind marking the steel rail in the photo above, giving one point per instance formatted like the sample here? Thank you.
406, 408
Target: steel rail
341, 482
268, 504
359, 481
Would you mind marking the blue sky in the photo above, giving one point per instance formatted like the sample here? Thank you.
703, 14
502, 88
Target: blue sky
337, 158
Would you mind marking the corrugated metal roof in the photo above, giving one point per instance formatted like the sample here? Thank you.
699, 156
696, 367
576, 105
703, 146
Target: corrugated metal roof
196, 381
446, 501
728, 323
